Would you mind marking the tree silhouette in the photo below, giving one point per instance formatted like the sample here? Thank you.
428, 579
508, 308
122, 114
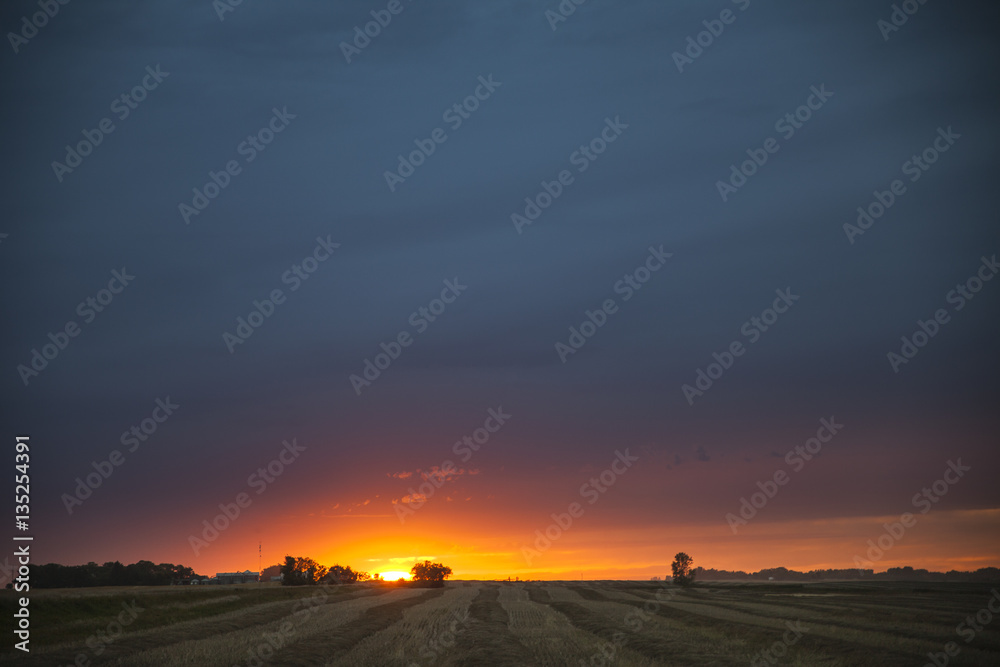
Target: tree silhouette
143, 573
118, 575
683, 574
432, 573
301, 572
341, 574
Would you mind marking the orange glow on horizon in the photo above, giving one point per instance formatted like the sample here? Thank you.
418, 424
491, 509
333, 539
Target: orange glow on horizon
594, 548
642, 553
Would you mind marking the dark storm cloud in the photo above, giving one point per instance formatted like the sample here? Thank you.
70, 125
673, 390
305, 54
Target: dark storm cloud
323, 176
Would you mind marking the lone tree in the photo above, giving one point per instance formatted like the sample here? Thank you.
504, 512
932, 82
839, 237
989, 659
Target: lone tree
683, 574
432, 573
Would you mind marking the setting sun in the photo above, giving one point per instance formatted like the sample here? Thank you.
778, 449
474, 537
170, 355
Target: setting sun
394, 575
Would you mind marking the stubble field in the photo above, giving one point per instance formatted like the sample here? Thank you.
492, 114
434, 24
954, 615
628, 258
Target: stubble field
506, 623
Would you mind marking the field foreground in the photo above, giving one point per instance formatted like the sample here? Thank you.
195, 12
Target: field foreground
505, 623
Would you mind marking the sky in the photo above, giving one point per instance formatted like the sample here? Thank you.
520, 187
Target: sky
530, 289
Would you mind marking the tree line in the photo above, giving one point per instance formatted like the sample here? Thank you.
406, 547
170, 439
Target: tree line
297, 571
301, 571
892, 574
684, 574
142, 573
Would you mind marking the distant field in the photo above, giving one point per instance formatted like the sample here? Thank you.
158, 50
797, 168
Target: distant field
500, 623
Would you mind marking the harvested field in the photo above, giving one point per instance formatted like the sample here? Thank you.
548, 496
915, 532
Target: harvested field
634, 624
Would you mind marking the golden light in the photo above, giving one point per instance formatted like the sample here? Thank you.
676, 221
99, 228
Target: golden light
394, 575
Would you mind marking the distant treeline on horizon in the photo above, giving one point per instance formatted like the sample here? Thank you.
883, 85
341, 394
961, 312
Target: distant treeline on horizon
146, 573
892, 574
142, 573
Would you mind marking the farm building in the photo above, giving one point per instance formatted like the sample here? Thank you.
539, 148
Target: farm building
244, 577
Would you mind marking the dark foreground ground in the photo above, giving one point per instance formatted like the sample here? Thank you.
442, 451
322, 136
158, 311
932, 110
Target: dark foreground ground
501, 623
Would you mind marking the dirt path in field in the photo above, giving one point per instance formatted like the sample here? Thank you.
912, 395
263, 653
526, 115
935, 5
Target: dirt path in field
189, 630
487, 639
328, 649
